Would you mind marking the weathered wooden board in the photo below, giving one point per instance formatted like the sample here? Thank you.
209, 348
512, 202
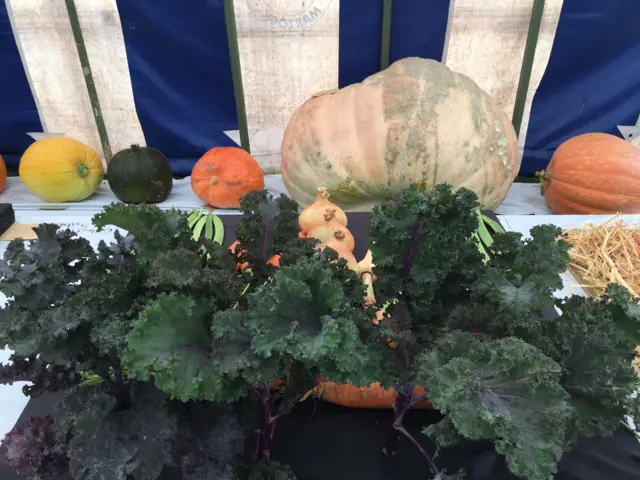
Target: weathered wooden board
288, 52
104, 40
47, 46
486, 41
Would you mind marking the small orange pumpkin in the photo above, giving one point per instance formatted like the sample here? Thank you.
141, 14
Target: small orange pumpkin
373, 396
3, 174
224, 175
593, 173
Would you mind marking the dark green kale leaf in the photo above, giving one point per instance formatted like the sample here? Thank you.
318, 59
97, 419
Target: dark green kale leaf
209, 442
269, 227
189, 272
270, 470
313, 313
172, 342
153, 229
41, 278
42, 376
504, 390
511, 294
424, 254
117, 438
594, 341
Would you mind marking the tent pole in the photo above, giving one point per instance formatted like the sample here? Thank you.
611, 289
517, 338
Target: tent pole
236, 73
385, 54
88, 78
527, 64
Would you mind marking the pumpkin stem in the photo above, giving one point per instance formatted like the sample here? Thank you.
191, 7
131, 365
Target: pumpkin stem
82, 170
135, 147
544, 177
213, 180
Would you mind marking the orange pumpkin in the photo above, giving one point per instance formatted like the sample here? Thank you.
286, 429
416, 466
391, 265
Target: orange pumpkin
3, 174
373, 396
593, 173
225, 174
414, 122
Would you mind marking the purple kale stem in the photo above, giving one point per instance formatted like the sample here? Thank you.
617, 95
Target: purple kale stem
265, 240
403, 403
264, 435
408, 262
432, 466
419, 399
507, 383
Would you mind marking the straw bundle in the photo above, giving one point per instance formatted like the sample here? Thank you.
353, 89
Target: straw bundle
604, 254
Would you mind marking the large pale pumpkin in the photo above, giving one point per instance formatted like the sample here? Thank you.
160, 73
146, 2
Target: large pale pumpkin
415, 122
593, 173
61, 169
3, 174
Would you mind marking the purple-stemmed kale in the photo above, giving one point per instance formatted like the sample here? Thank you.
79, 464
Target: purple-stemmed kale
477, 334
70, 312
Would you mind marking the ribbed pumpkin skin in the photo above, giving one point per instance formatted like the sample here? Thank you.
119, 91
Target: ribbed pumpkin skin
415, 122
140, 175
224, 175
61, 169
593, 173
3, 174
373, 396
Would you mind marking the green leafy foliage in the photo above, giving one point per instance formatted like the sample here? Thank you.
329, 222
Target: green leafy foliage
157, 338
71, 314
504, 390
478, 333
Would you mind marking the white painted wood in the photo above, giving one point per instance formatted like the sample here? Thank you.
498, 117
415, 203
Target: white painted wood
49, 54
50, 58
486, 40
104, 40
288, 52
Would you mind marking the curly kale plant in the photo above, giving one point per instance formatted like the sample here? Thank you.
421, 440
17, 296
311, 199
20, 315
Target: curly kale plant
480, 334
157, 339
68, 314
290, 325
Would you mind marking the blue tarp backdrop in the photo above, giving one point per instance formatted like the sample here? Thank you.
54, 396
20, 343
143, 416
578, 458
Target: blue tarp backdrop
180, 70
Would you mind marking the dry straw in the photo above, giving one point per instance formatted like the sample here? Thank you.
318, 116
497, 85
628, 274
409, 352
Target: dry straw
604, 254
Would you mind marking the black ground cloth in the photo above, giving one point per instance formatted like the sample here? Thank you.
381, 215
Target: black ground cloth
327, 442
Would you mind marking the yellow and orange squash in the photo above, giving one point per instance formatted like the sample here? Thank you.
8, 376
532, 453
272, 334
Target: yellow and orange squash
61, 169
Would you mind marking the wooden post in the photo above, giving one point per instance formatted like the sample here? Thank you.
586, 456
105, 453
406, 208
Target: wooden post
527, 64
236, 72
88, 78
387, 15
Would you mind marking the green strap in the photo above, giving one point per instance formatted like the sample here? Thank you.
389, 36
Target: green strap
527, 64
88, 78
385, 53
236, 73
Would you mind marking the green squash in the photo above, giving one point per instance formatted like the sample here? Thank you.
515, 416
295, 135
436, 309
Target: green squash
140, 175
